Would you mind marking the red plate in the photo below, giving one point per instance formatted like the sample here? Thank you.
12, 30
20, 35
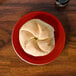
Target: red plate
59, 38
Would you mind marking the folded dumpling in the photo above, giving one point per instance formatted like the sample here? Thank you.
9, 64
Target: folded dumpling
24, 37
45, 31
46, 45
37, 37
31, 26
33, 49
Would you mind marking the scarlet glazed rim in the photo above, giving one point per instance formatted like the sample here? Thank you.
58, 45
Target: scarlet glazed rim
59, 38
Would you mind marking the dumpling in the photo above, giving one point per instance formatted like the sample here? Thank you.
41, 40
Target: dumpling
44, 30
24, 37
31, 26
33, 49
46, 45
37, 37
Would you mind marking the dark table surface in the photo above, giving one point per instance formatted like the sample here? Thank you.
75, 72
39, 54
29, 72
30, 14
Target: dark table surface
10, 64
